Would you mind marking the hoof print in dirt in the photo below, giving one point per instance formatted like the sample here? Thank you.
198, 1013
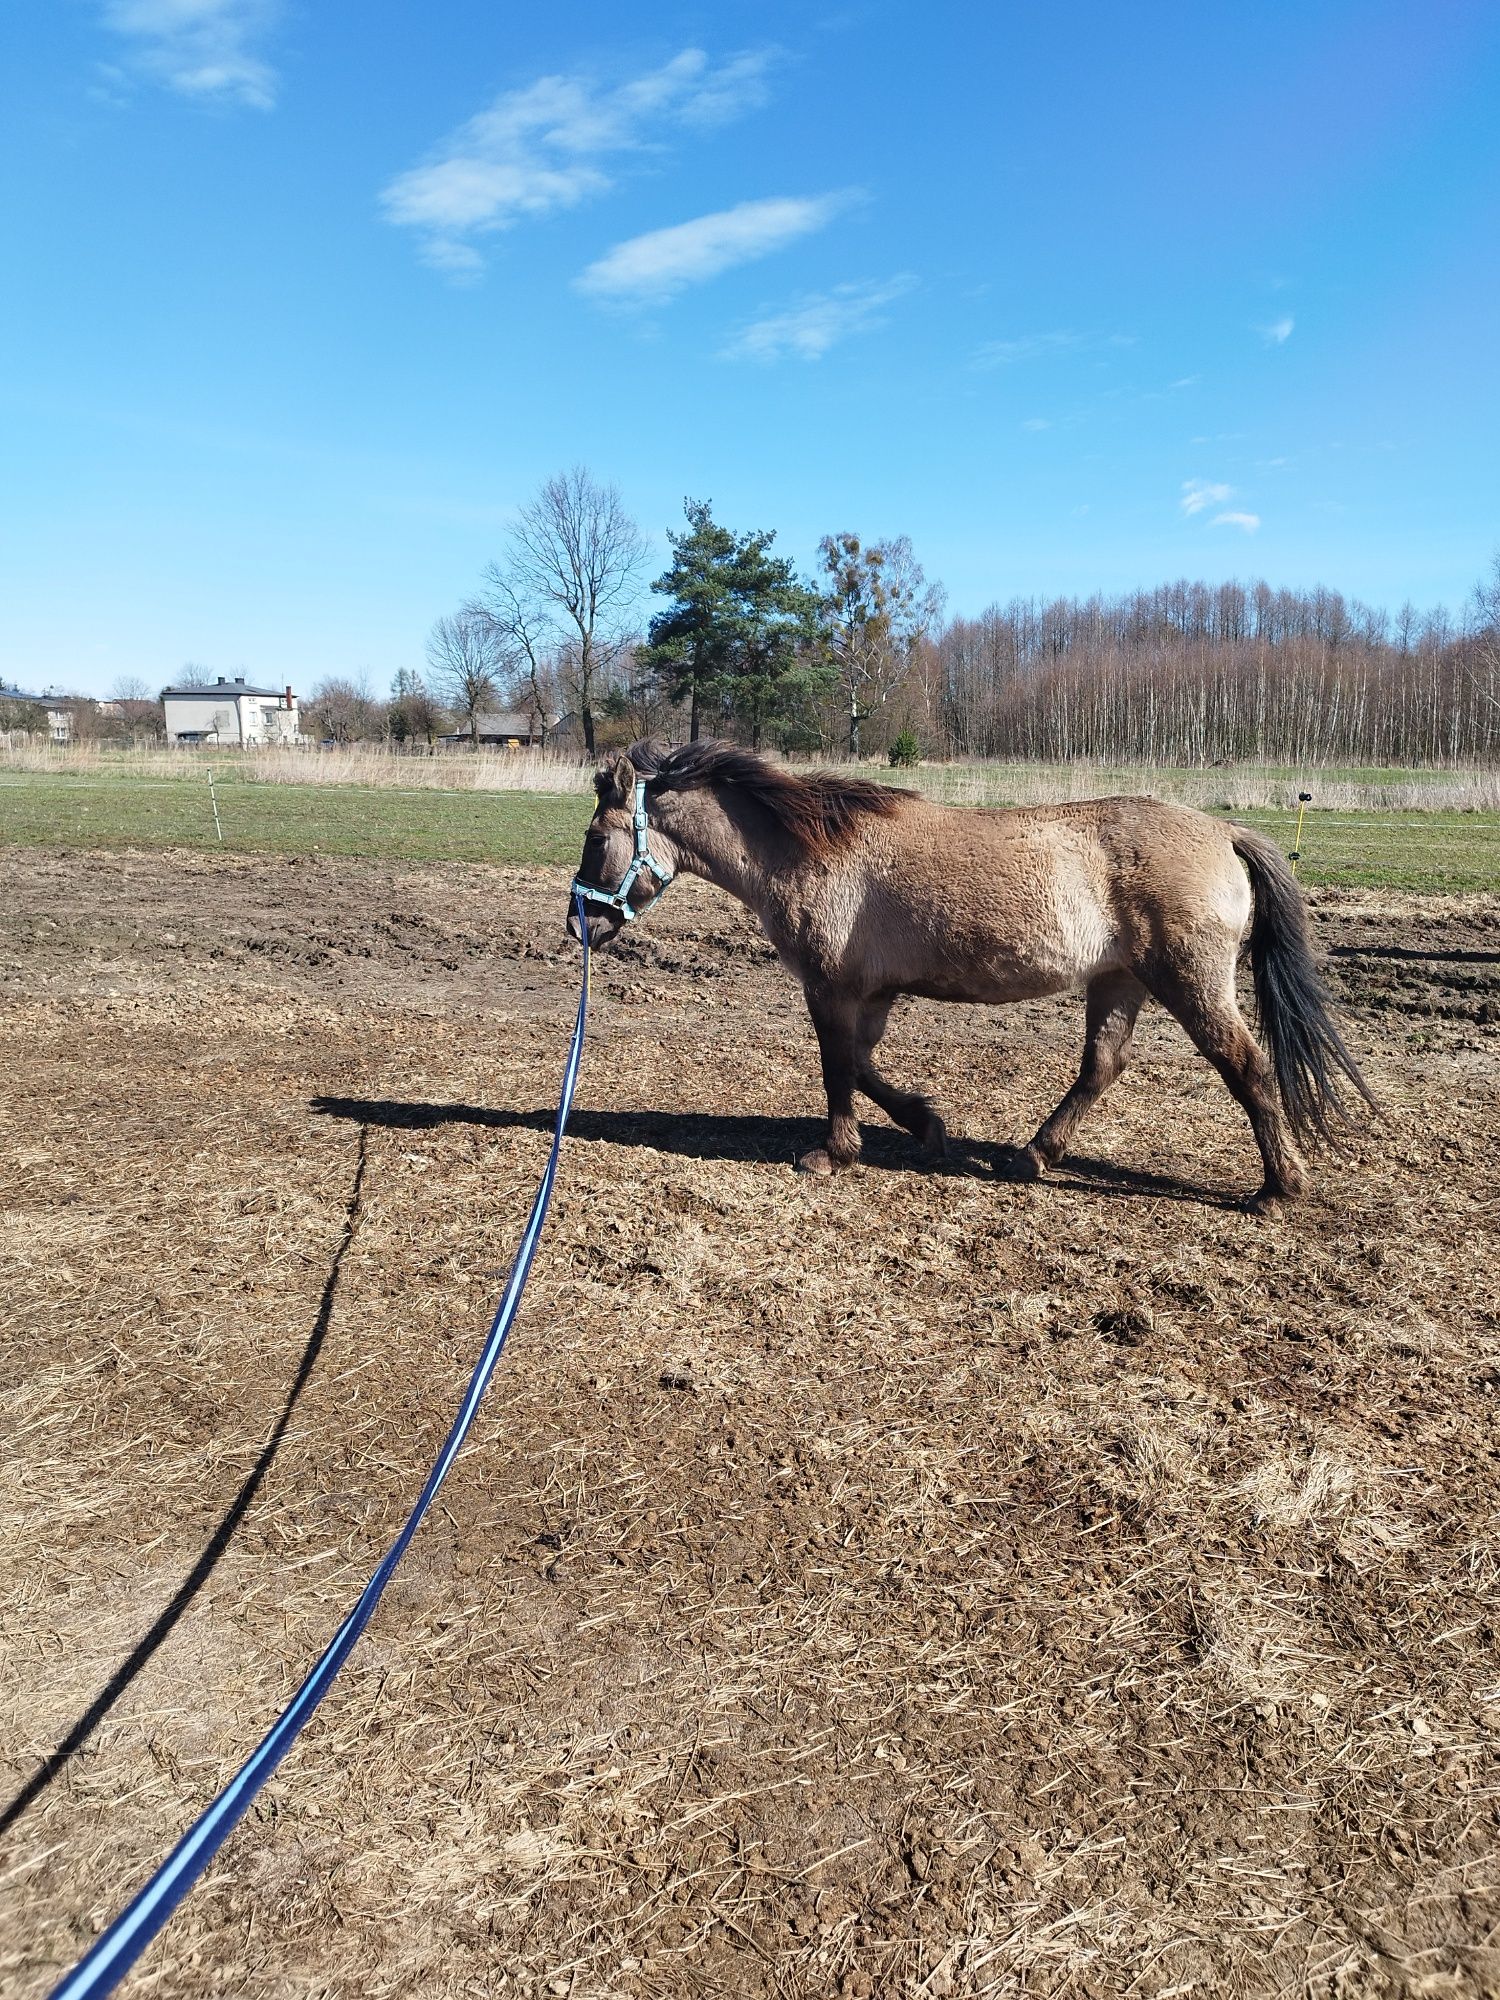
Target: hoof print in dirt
1127, 1327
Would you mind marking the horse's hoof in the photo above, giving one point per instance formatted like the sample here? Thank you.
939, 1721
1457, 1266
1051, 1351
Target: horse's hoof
816, 1162
1025, 1164
1267, 1199
935, 1143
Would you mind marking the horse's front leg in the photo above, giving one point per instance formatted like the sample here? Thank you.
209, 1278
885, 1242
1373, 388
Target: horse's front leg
834, 1018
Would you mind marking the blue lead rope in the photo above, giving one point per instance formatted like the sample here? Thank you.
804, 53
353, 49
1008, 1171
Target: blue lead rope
127, 1937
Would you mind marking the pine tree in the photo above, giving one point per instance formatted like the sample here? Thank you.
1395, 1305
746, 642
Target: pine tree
687, 644
739, 629
774, 666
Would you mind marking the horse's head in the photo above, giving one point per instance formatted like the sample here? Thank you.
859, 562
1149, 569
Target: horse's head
620, 875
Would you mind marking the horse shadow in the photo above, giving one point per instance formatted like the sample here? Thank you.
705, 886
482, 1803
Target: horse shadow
161, 1626
745, 1138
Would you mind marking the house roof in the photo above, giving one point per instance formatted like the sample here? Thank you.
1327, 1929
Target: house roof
20, 694
506, 722
223, 690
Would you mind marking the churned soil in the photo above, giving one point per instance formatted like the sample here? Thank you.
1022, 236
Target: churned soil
911, 1583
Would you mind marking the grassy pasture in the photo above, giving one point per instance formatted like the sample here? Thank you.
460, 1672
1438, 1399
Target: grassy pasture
112, 805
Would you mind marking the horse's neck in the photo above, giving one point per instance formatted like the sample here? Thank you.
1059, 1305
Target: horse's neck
709, 843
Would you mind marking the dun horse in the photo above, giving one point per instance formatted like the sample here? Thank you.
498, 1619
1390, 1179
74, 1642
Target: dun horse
868, 892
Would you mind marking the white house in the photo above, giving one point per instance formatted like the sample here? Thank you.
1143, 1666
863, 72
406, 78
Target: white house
230, 712
59, 714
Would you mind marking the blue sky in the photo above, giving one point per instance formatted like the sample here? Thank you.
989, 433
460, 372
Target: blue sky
305, 297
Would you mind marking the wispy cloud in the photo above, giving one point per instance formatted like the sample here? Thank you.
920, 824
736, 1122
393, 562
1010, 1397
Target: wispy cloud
1032, 346
1248, 522
1037, 424
206, 49
1278, 333
652, 268
544, 148
1200, 494
806, 330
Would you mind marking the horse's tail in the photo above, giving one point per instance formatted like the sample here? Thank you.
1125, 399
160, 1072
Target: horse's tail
1315, 1073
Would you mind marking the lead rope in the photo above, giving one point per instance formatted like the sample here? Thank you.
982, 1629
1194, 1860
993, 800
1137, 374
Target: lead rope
107, 1962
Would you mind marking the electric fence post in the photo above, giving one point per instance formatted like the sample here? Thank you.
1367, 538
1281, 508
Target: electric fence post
213, 798
1304, 800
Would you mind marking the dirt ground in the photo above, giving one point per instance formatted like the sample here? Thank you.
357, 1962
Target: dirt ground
912, 1583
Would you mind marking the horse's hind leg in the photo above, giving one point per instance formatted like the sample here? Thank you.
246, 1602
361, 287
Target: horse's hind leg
1114, 1000
1210, 1012
907, 1108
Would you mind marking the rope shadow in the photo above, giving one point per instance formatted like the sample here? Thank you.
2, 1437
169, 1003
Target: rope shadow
161, 1626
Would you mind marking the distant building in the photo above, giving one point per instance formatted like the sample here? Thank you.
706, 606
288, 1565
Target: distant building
230, 712
56, 707
505, 729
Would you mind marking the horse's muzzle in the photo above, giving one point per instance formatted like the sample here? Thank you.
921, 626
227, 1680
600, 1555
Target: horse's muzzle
603, 925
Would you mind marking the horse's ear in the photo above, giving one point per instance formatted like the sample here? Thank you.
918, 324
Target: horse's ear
615, 783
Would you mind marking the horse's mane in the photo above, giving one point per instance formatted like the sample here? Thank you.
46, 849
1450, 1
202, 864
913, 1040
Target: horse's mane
820, 812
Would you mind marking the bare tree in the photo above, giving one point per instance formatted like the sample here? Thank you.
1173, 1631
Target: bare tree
565, 586
411, 716
877, 606
1484, 675
464, 654
344, 711
522, 642
140, 716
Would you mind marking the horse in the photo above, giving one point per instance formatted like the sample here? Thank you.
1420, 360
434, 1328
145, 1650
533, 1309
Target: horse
868, 892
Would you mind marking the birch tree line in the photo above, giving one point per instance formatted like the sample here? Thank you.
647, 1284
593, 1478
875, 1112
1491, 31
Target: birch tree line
1193, 673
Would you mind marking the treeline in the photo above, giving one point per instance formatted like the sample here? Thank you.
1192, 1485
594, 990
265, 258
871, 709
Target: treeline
856, 658
1194, 673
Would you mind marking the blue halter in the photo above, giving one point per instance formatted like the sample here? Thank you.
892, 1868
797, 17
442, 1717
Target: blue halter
618, 900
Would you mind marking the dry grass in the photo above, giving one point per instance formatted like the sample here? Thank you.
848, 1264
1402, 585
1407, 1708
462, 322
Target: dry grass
1247, 787
904, 1585
360, 764
1238, 787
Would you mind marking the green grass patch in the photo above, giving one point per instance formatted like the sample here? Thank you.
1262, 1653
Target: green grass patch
109, 810
1421, 851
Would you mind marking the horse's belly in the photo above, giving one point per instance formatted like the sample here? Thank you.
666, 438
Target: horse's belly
1066, 942
995, 984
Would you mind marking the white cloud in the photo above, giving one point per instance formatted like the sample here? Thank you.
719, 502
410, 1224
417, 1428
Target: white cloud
1037, 424
541, 149
1249, 522
654, 267
1199, 494
1031, 346
208, 49
807, 330
1278, 333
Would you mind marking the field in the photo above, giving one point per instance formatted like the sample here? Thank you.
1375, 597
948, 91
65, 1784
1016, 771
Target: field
907, 1584
1390, 829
